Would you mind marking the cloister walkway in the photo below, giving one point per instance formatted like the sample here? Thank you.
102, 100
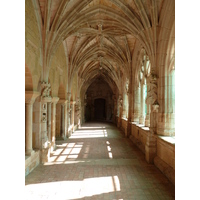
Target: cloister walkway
97, 162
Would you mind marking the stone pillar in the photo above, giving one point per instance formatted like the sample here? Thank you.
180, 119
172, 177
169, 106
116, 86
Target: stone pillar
62, 120
120, 108
49, 121
29, 100
69, 115
147, 118
141, 119
150, 147
77, 113
129, 114
37, 122
46, 143
53, 122
63, 131
72, 114
137, 105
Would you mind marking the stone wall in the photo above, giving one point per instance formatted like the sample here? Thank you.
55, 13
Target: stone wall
164, 159
139, 137
31, 162
124, 125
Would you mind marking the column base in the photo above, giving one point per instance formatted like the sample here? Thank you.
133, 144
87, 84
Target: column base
64, 137
150, 154
69, 133
29, 152
150, 149
53, 146
45, 155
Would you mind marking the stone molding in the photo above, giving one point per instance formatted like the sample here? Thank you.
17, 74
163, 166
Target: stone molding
55, 100
46, 99
72, 102
62, 101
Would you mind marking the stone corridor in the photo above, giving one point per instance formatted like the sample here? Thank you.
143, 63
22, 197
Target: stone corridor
97, 162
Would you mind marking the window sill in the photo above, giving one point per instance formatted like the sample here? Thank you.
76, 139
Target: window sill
168, 139
124, 118
141, 126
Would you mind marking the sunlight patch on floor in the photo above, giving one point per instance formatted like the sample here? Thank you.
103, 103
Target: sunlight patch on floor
89, 134
91, 127
73, 189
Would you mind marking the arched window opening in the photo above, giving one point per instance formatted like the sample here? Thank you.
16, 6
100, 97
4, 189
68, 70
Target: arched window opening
145, 97
171, 98
144, 74
125, 106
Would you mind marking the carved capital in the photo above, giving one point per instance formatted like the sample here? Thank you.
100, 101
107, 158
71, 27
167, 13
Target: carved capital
152, 95
155, 107
127, 86
45, 89
55, 100
120, 101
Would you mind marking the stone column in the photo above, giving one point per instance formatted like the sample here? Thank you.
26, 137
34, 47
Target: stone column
63, 131
62, 120
129, 114
141, 119
151, 146
53, 122
147, 118
166, 115
29, 100
77, 113
65, 113
49, 120
120, 108
69, 114
72, 114
137, 105
45, 143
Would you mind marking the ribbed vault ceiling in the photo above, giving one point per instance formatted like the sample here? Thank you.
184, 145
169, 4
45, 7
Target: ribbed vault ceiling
99, 35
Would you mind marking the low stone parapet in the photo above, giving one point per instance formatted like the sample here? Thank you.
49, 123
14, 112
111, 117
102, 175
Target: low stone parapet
31, 162
158, 150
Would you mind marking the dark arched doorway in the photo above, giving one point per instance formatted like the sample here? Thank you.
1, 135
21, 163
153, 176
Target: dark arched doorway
99, 109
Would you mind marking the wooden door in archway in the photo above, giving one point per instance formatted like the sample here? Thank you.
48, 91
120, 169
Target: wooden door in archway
99, 109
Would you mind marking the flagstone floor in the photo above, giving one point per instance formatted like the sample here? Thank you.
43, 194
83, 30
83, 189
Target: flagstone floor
97, 162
